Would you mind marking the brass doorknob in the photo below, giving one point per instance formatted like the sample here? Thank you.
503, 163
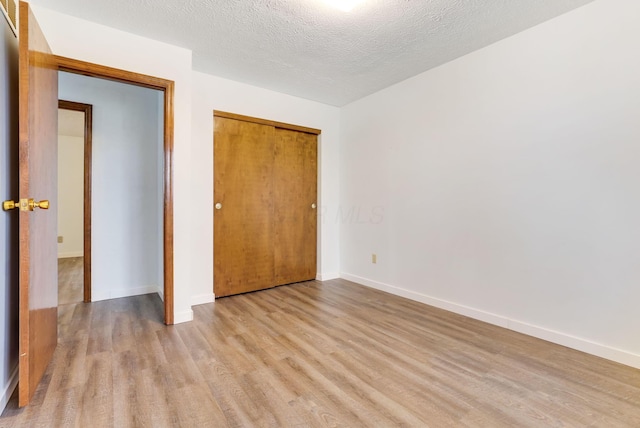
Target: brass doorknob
42, 204
25, 205
10, 205
313, 206
218, 206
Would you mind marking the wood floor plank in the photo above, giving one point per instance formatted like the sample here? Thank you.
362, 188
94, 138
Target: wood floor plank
328, 403
260, 383
194, 406
70, 280
316, 354
73, 354
97, 396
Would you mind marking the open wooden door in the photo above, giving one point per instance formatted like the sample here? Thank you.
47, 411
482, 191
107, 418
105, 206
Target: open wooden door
38, 95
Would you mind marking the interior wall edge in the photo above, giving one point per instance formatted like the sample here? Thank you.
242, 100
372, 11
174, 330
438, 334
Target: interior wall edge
70, 254
201, 299
116, 292
560, 338
327, 276
183, 316
7, 392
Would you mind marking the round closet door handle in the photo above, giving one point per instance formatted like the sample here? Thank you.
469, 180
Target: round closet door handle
313, 206
218, 205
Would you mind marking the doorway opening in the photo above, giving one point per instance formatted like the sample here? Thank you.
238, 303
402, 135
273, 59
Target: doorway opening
166, 87
75, 121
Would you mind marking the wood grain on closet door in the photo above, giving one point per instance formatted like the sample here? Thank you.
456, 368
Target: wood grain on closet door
243, 225
295, 198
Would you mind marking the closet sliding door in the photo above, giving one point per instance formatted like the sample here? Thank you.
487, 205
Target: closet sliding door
295, 211
243, 210
265, 204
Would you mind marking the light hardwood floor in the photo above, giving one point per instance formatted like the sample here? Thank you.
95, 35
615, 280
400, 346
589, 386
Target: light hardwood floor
70, 280
316, 354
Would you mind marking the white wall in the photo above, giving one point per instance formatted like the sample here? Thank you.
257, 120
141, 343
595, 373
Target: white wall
71, 195
499, 185
87, 41
193, 177
126, 140
214, 93
8, 220
504, 185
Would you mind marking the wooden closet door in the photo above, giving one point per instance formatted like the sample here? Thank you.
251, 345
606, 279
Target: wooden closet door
295, 195
243, 225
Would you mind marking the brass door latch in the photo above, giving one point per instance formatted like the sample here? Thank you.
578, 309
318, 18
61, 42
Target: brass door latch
25, 205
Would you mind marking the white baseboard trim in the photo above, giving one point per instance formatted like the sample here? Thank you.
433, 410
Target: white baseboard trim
70, 254
327, 276
201, 299
116, 293
9, 388
560, 338
184, 316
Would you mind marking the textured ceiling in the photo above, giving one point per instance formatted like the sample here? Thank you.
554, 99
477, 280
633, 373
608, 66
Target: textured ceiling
308, 49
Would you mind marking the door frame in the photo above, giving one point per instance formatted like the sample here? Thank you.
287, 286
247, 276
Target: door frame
87, 109
167, 86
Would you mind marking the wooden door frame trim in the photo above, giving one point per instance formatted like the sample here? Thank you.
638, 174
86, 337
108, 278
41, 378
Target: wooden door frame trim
281, 125
87, 109
167, 86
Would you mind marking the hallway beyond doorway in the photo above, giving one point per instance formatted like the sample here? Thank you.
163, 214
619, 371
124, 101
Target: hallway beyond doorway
70, 280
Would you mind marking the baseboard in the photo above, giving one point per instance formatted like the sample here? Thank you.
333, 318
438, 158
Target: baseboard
327, 276
70, 254
116, 293
201, 299
8, 390
184, 316
560, 338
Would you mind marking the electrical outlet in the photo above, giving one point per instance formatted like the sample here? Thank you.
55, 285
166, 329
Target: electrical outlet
374, 258
60, 239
